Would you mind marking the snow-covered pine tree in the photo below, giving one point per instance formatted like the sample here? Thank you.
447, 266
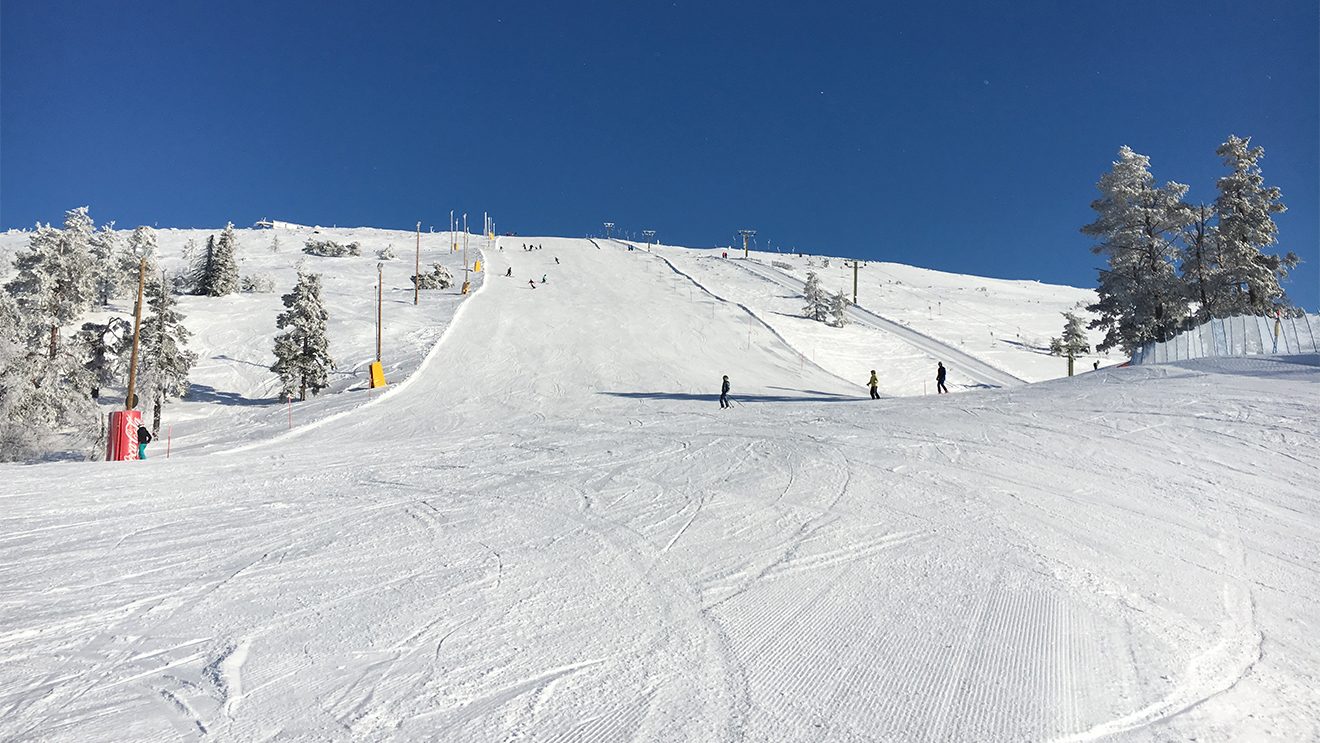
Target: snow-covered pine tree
141, 245
224, 277
164, 358
838, 306
817, 301
1250, 278
202, 269
1141, 297
1199, 261
102, 343
109, 281
79, 230
15, 442
1073, 342
40, 393
56, 278
302, 351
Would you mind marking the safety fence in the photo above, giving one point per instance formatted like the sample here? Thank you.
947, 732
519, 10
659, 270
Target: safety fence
1243, 335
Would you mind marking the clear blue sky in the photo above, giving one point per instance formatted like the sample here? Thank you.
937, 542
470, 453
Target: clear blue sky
959, 136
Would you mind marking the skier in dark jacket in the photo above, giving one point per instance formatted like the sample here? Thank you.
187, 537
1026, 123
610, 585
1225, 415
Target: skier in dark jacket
939, 378
531, 283
144, 438
509, 272
724, 393
873, 383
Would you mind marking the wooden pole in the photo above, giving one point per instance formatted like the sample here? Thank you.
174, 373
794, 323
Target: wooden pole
131, 401
417, 268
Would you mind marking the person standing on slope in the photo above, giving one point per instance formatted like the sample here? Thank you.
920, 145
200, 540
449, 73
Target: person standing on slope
724, 393
531, 283
542, 278
940, 373
509, 272
144, 438
874, 382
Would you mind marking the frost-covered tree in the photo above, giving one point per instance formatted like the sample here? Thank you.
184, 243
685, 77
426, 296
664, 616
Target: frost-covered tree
102, 344
142, 243
215, 272
838, 308
224, 264
302, 351
163, 357
40, 393
199, 280
1141, 297
1202, 276
56, 278
138, 257
817, 301
109, 281
1073, 342
1250, 278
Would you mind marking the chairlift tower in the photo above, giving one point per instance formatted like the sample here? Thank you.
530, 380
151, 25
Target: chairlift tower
855, 265
746, 234
609, 226
650, 237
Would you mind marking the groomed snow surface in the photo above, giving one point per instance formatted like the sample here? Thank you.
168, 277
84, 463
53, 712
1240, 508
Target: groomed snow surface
552, 532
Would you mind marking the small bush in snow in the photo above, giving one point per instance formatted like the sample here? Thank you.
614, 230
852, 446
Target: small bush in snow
258, 283
181, 281
331, 249
438, 278
386, 253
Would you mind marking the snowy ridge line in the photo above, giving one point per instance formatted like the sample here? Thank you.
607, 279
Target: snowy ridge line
982, 368
756, 317
390, 390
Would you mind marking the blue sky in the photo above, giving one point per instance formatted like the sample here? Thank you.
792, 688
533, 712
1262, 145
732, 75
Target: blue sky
959, 136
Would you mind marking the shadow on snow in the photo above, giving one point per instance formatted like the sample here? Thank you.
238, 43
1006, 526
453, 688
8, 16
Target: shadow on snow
801, 396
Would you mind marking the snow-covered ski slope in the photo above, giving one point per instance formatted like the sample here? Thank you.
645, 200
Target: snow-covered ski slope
553, 533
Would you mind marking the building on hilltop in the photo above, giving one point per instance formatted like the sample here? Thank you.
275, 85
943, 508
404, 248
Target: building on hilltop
275, 224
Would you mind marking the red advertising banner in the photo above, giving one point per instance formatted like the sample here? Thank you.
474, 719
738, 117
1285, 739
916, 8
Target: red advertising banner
122, 439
